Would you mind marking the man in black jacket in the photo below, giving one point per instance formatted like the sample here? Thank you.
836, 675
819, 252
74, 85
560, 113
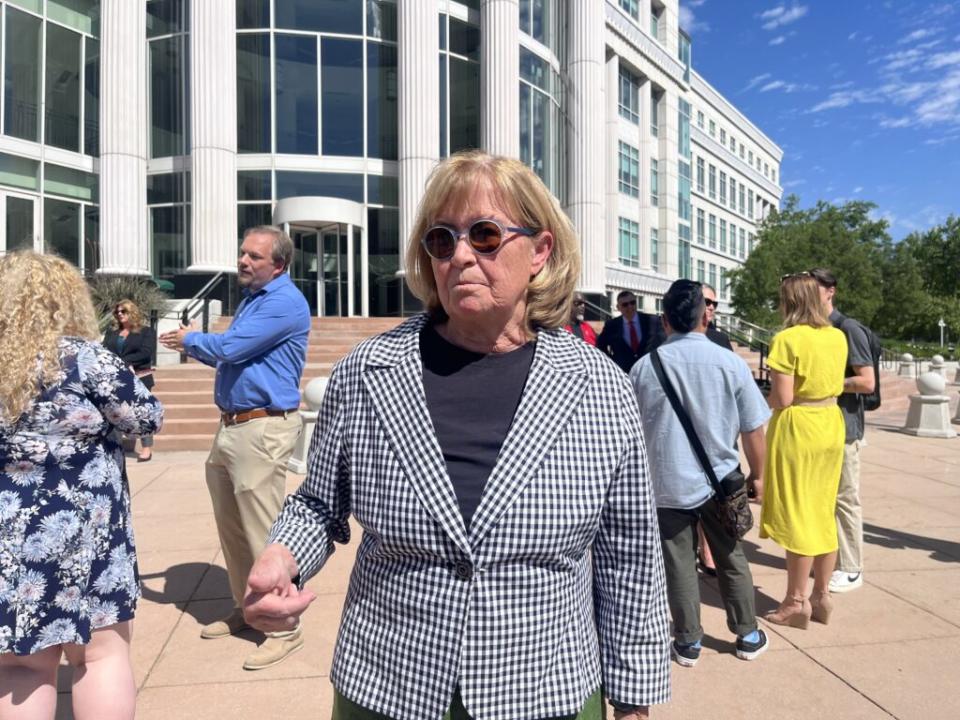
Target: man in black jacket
632, 335
717, 336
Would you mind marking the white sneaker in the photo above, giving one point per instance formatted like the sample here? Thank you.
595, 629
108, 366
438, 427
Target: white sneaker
842, 581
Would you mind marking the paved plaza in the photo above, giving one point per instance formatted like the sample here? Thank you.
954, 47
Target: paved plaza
891, 650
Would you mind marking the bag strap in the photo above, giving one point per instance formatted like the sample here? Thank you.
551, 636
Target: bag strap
686, 423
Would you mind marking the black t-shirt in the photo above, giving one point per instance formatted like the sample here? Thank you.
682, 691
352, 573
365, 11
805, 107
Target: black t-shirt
472, 399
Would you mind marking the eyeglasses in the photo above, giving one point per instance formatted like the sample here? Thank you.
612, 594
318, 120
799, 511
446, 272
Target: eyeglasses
120, 311
485, 238
711, 303
794, 275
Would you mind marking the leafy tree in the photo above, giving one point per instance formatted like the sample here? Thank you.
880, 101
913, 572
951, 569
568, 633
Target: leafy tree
938, 253
842, 238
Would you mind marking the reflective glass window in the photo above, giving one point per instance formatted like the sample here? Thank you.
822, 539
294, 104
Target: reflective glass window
341, 83
381, 20
443, 105
63, 88
382, 101
19, 172
84, 15
170, 233
334, 16
252, 215
167, 16
91, 239
348, 186
464, 39
72, 183
296, 94
165, 188
91, 99
254, 185
464, 105
383, 243
35, 5
21, 117
61, 229
253, 93
383, 190
168, 96
253, 14
19, 222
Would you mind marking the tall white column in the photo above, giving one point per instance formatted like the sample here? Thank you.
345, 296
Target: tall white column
213, 115
500, 77
587, 52
124, 241
611, 90
419, 92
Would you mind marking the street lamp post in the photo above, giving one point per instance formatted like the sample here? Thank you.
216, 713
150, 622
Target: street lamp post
942, 325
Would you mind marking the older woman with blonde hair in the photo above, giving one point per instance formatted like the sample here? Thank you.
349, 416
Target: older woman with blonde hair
68, 568
510, 562
804, 449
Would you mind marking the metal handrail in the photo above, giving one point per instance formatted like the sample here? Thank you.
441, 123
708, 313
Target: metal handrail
596, 308
202, 299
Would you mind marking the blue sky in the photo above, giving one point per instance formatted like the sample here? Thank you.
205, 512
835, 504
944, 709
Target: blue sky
862, 95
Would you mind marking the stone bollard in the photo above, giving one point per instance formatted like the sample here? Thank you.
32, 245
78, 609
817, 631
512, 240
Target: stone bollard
938, 366
956, 378
929, 414
313, 397
906, 365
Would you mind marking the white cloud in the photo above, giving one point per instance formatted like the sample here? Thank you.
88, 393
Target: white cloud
899, 122
756, 80
916, 35
943, 60
793, 183
695, 3
782, 15
842, 86
903, 59
858, 189
689, 22
775, 85
779, 40
853, 35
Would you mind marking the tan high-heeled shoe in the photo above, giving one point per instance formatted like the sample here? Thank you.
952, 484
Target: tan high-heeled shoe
793, 612
821, 605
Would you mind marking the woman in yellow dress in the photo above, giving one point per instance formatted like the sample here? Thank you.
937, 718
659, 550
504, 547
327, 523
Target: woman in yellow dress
804, 449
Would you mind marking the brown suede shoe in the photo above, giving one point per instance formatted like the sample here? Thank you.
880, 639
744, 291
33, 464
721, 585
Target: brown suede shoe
275, 649
230, 625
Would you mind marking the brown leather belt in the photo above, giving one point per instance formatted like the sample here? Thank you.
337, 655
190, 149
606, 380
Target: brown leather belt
235, 418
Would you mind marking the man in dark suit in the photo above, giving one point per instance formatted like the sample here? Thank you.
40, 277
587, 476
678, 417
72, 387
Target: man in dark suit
632, 335
713, 334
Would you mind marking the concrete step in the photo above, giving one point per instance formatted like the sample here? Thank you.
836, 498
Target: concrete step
182, 442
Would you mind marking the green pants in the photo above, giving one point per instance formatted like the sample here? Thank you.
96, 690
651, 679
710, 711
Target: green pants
344, 709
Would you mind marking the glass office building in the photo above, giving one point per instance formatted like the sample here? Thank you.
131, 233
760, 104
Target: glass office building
142, 136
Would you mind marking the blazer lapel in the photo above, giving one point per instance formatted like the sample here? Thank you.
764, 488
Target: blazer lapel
553, 391
393, 378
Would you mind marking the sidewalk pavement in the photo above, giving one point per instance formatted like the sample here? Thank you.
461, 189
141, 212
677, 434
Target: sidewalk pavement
891, 650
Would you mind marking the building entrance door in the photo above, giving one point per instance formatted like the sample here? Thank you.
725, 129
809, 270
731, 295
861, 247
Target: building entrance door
19, 229
321, 268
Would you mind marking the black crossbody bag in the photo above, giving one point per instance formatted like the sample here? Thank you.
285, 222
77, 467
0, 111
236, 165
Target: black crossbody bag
733, 509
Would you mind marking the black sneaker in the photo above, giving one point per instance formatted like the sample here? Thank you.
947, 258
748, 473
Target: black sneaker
752, 650
685, 655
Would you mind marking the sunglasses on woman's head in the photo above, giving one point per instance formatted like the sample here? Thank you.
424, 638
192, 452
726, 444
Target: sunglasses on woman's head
794, 275
484, 236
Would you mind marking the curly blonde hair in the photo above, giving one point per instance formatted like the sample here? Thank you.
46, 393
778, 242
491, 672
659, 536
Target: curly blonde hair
528, 201
134, 315
42, 298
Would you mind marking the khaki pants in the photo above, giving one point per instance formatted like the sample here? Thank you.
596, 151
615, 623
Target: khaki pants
850, 512
246, 476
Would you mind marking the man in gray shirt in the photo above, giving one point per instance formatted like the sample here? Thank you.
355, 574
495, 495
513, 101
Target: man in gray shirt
717, 390
860, 379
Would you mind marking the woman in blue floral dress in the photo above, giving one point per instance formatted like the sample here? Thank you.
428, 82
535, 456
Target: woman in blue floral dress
68, 570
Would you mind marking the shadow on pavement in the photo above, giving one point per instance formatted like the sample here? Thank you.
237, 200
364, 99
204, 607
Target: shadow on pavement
941, 550
180, 585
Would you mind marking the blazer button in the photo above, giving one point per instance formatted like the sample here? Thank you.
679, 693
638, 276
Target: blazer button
462, 570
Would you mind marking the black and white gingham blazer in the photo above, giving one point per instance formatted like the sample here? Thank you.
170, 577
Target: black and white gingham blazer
512, 610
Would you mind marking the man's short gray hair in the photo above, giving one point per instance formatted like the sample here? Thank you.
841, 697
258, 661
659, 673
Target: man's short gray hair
282, 251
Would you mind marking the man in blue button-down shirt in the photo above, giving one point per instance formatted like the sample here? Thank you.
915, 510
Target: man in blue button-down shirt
259, 361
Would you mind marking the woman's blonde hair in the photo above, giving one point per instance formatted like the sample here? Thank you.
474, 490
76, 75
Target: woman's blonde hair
42, 298
800, 302
134, 316
522, 195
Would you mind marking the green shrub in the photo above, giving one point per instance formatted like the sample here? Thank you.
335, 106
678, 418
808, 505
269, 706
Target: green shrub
107, 291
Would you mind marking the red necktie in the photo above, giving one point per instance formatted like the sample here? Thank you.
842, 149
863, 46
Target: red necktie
634, 340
